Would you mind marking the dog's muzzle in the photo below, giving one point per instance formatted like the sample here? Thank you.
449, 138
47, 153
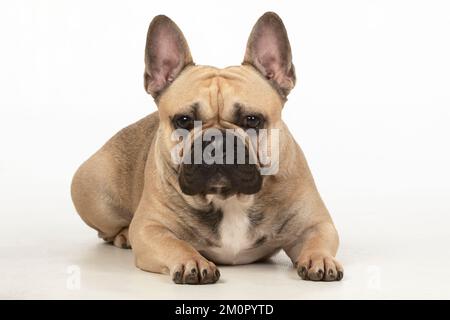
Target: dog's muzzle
226, 167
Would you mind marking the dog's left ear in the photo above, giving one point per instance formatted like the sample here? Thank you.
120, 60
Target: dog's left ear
269, 51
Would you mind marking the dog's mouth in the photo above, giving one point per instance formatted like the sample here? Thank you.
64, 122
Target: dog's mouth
223, 180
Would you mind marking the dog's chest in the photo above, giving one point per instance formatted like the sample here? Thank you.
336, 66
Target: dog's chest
236, 240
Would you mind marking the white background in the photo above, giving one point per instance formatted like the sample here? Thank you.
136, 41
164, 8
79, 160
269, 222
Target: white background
371, 111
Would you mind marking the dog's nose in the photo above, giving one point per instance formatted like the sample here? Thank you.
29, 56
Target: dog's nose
218, 184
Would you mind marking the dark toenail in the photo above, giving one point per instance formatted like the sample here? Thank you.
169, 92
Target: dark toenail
191, 279
340, 275
302, 272
204, 272
194, 271
124, 246
217, 273
177, 276
330, 272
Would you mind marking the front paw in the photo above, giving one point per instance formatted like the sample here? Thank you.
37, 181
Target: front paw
195, 271
319, 267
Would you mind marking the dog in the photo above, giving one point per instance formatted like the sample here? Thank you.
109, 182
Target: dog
183, 218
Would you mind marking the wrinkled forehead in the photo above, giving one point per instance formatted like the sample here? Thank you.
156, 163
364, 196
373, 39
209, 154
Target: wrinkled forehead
216, 92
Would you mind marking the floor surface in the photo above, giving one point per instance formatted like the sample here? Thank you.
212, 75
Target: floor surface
386, 254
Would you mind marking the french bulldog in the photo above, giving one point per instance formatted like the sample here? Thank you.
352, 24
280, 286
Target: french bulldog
183, 217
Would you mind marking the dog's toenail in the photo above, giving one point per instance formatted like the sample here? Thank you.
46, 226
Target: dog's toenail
204, 272
194, 271
177, 276
302, 272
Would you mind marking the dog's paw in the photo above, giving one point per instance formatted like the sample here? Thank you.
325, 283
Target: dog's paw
319, 267
121, 239
195, 271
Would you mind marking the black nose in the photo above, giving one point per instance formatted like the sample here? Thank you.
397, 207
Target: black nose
218, 183
220, 171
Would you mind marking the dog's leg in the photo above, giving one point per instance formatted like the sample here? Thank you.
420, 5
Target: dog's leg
98, 202
314, 253
157, 249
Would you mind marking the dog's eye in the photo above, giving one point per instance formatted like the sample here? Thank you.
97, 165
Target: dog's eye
253, 122
183, 122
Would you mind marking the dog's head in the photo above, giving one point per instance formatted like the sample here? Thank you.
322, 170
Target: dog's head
217, 109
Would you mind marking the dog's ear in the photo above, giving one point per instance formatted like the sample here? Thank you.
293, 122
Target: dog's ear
166, 54
269, 51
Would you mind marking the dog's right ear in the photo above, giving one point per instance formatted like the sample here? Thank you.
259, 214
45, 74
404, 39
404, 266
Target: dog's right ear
166, 54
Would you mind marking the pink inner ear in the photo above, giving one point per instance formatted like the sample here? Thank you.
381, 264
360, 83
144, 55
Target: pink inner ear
267, 53
167, 59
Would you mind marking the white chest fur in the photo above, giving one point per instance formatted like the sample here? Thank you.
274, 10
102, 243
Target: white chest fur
233, 231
